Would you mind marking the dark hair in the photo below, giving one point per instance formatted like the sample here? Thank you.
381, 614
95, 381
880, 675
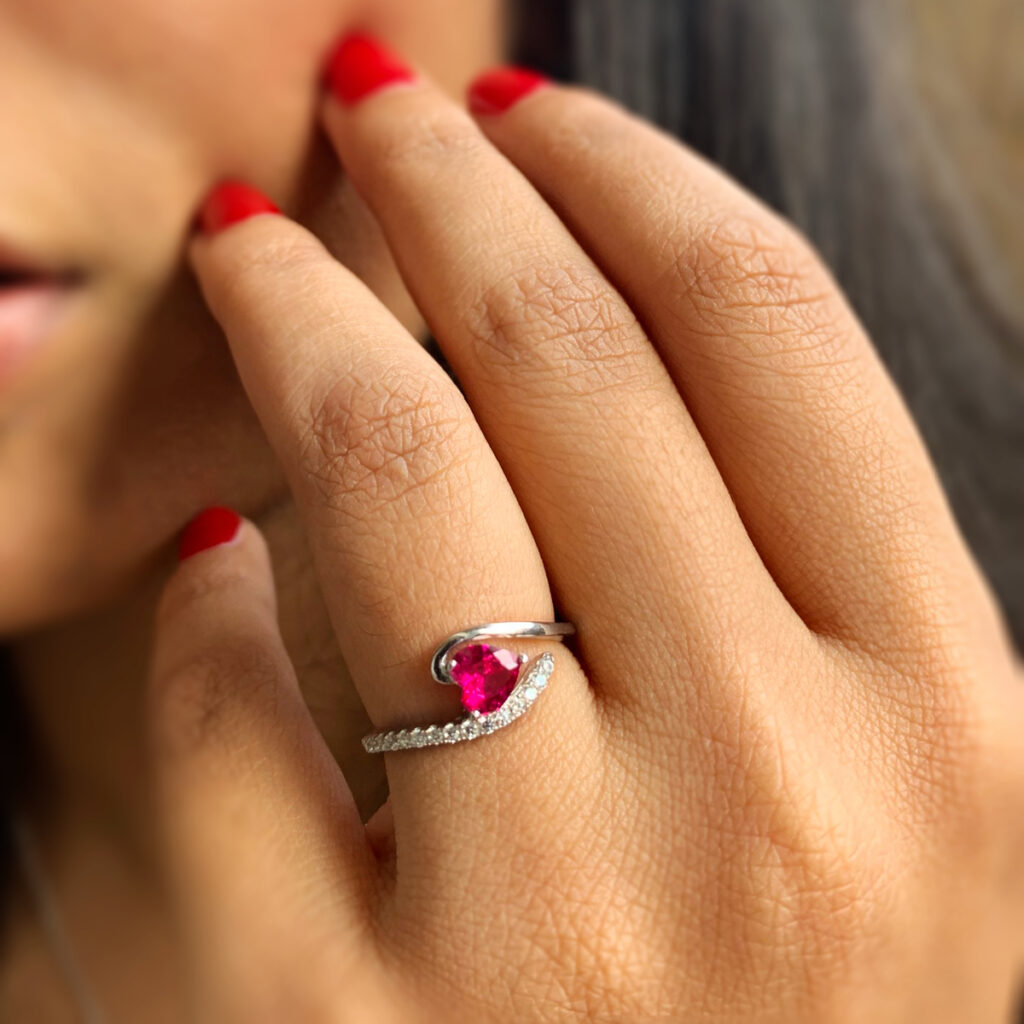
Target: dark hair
802, 102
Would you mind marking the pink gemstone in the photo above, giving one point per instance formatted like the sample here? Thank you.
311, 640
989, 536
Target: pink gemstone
486, 676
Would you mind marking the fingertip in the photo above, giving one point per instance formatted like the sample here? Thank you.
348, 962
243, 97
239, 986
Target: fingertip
498, 90
221, 557
222, 586
236, 264
360, 65
230, 202
213, 527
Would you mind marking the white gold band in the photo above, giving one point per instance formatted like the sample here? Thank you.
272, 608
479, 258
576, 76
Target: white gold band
528, 687
471, 725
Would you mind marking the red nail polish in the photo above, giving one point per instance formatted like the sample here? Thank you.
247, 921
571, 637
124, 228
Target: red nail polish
211, 528
498, 90
230, 202
360, 66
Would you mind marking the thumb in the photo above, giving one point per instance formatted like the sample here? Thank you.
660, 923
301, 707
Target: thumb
269, 866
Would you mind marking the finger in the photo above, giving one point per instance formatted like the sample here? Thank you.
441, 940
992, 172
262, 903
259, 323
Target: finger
415, 531
262, 838
576, 403
817, 449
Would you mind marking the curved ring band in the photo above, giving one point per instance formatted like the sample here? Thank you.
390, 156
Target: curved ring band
513, 699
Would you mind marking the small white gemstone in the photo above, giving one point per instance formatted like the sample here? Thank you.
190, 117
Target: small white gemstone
530, 693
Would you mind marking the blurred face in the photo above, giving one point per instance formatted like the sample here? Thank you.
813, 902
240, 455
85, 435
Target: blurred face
120, 413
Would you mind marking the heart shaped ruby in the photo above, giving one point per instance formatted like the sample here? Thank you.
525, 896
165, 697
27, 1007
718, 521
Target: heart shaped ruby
486, 675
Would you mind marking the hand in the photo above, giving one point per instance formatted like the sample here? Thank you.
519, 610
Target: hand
777, 776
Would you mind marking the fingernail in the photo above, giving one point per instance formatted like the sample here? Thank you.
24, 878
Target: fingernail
211, 528
500, 89
360, 66
230, 202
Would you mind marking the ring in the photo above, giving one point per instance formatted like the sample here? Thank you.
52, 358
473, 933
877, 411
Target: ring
497, 686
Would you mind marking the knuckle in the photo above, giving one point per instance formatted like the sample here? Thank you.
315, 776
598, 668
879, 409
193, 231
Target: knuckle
757, 280
823, 889
375, 442
195, 703
950, 748
937, 714
559, 319
745, 260
794, 853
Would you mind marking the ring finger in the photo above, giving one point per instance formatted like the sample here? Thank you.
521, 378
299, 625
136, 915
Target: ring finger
414, 528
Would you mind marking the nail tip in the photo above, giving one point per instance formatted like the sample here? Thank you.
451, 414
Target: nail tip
497, 90
229, 202
210, 528
361, 65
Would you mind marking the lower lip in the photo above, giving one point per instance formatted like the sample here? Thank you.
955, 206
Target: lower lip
28, 315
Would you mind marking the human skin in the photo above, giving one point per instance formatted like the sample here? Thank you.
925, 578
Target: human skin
821, 760
116, 119
778, 777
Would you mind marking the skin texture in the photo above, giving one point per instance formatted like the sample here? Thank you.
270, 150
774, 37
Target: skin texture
118, 117
786, 739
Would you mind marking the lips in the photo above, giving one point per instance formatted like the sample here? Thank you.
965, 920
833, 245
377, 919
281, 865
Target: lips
31, 303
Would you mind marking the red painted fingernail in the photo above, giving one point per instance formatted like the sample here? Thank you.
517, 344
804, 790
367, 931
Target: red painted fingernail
499, 90
361, 65
211, 528
230, 202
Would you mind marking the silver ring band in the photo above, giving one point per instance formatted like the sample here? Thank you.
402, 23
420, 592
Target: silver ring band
528, 685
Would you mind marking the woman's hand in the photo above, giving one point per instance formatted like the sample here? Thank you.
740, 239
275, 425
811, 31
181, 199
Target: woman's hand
781, 778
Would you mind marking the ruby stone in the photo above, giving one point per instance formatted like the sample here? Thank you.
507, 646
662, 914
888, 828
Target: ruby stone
485, 674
